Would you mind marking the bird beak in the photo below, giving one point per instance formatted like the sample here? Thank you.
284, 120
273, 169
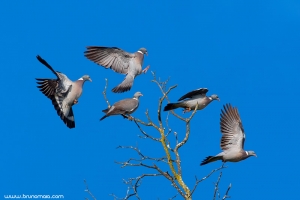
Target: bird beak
146, 53
90, 79
218, 99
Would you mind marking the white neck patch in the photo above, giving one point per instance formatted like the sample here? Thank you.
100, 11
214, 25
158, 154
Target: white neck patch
81, 79
247, 153
210, 98
135, 98
140, 52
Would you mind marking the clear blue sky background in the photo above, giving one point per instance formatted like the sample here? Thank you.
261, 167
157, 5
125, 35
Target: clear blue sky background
246, 52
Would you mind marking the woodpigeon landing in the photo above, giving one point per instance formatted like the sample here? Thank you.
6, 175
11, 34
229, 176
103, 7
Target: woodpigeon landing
233, 138
190, 100
63, 92
119, 61
123, 107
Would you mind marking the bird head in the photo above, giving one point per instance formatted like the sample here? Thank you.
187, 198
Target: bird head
86, 78
251, 153
143, 51
137, 95
215, 97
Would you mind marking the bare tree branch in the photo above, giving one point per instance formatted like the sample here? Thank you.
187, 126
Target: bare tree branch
104, 93
88, 191
144, 133
133, 184
226, 194
216, 191
142, 157
205, 177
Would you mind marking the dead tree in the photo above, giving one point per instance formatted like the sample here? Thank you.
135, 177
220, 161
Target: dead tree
172, 155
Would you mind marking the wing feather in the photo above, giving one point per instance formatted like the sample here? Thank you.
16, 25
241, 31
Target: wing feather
109, 57
233, 135
201, 92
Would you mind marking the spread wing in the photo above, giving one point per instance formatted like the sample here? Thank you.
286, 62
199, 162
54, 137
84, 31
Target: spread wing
233, 136
57, 90
110, 57
200, 93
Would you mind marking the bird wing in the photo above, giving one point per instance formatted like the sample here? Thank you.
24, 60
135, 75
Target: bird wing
124, 106
233, 136
110, 57
200, 93
64, 110
57, 90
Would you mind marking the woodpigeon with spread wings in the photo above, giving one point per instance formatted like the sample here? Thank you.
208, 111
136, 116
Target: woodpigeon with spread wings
119, 61
63, 92
191, 99
233, 138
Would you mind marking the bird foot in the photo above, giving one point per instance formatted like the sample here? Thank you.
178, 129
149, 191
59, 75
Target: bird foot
146, 69
75, 101
130, 118
186, 110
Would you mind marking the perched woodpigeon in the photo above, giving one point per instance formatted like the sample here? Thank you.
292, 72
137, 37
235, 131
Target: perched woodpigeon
120, 61
123, 107
63, 92
190, 100
233, 138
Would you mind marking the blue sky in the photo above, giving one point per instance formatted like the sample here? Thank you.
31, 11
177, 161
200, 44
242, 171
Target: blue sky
247, 53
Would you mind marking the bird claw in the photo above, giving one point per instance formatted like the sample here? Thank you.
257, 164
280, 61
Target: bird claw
130, 118
186, 110
146, 69
75, 101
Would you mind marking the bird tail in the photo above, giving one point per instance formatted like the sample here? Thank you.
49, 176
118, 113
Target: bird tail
210, 159
125, 85
102, 118
171, 106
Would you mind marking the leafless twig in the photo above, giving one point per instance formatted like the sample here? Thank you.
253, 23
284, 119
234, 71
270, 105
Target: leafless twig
227, 191
216, 191
205, 177
138, 162
144, 133
104, 93
88, 191
133, 184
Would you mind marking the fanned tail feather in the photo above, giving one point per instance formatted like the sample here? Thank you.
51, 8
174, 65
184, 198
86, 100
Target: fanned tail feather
209, 159
125, 85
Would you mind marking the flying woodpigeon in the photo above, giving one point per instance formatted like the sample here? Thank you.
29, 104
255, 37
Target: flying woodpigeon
63, 92
190, 100
123, 107
233, 138
119, 61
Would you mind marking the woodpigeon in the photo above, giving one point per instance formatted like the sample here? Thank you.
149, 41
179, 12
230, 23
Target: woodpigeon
233, 138
123, 107
190, 100
119, 61
63, 92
